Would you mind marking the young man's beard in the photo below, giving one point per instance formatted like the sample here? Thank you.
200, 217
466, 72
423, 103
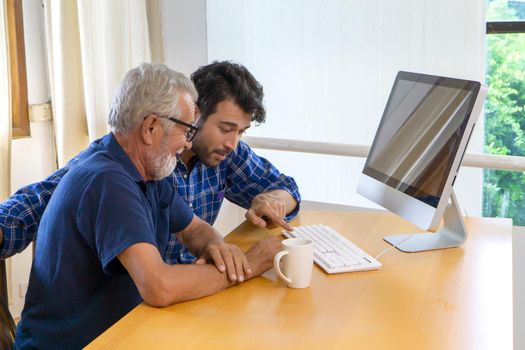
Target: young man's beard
205, 154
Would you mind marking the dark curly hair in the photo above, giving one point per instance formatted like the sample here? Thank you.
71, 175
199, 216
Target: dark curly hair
226, 80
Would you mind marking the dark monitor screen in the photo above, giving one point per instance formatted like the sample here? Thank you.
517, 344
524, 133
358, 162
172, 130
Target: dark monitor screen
419, 134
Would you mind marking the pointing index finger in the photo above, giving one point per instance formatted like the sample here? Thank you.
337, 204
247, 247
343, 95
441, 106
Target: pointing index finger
276, 219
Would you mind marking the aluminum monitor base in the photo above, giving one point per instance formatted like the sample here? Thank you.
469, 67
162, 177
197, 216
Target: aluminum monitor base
451, 235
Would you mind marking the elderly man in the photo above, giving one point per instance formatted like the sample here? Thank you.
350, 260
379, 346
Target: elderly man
101, 239
218, 166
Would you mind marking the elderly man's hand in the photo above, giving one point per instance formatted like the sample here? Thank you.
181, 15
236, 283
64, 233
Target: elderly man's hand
268, 210
227, 258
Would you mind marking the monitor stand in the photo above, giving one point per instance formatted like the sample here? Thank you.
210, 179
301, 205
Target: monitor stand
452, 234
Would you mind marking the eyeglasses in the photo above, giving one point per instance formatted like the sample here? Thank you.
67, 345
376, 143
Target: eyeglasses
192, 128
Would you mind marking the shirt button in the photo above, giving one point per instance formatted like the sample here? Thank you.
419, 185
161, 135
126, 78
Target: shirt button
191, 205
185, 176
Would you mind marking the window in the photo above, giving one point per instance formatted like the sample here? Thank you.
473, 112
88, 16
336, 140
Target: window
17, 67
504, 191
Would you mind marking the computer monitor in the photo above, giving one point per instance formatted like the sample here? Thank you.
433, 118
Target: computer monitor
416, 154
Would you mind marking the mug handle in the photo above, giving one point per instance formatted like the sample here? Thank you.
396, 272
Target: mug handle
276, 261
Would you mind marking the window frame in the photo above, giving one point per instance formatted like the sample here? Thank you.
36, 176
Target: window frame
505, 27
17, 70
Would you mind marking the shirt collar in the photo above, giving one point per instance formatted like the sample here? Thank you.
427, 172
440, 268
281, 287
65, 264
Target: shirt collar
115, 149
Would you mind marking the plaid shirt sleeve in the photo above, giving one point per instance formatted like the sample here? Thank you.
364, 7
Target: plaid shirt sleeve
20, 214
249, 175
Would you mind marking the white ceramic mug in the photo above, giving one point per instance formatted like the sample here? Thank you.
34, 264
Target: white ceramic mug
298, 263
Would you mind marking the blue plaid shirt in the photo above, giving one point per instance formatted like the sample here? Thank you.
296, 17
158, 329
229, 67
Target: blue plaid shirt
239, 178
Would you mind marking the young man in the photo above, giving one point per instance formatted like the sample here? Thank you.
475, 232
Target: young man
101, 239
218, 166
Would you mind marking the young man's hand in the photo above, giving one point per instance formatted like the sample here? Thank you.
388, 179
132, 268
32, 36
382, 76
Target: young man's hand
268, 209
261, 254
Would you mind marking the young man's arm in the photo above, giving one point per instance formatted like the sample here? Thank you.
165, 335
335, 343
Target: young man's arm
254, 183
21, 213
161, 284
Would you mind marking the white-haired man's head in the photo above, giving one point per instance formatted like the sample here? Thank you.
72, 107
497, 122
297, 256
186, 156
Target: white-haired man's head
154, 108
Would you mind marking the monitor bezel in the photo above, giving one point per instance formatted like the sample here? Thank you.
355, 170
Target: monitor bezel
413, 209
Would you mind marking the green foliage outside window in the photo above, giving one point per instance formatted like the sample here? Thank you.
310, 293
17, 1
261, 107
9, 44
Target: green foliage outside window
504, 191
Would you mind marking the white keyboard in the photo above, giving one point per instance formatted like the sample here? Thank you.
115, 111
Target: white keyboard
333, 252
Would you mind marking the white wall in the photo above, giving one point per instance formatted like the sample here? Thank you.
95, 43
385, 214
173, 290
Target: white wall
327, 68
185, 45
518, 290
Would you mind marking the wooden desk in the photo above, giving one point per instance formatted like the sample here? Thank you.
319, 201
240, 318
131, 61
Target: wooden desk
457, 298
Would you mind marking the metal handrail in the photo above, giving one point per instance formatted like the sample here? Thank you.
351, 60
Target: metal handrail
484, 161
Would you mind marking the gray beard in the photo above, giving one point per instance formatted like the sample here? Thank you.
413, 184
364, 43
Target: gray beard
163, 166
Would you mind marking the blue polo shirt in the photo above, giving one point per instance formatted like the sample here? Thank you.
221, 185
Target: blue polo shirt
78, 287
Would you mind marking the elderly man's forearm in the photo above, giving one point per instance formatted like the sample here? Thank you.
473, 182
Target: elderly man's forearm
198, 234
